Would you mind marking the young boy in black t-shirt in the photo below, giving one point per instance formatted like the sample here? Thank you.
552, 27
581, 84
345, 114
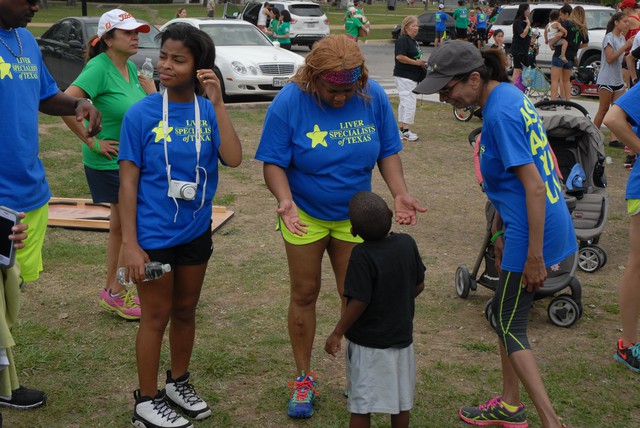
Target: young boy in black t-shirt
384, 276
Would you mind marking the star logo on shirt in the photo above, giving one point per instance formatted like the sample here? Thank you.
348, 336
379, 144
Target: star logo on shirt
159, 131
5, 69
317, 137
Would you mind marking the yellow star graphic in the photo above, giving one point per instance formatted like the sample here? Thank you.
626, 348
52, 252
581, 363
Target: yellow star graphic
5, 69
159, 131
317, 136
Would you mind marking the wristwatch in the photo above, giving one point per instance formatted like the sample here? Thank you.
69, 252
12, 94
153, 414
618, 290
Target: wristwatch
75, 105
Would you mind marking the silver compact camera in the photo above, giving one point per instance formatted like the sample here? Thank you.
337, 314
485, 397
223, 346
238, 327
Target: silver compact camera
182, 190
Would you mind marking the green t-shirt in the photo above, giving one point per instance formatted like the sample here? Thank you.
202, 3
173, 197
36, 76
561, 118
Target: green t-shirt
112, 96
351, 25
273, 26
461, 15
284, 28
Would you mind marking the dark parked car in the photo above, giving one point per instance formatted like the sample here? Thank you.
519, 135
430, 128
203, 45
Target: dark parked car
427, 33
64, 44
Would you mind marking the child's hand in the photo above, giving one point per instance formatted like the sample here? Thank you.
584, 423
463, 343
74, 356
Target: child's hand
333, 344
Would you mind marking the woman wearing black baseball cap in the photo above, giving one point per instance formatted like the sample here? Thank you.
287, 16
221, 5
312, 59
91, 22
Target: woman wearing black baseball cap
533, 229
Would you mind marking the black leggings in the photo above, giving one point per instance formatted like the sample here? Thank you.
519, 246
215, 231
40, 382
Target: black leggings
511, 304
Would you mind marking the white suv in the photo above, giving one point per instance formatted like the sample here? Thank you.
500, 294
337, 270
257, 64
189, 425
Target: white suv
597, 18
308, 21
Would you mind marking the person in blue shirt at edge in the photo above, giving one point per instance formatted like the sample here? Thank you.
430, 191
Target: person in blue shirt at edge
521, 182
384, 277
323, 135
623, 119
481, 27
26, 87
441, 24
461, 15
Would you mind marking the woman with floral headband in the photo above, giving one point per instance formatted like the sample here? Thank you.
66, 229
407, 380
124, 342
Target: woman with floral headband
323, 135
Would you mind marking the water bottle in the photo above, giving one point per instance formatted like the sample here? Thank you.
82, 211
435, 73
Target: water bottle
147, 69
152, 270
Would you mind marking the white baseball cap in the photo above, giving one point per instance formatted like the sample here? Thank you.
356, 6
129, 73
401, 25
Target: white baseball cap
118, 18
441, 6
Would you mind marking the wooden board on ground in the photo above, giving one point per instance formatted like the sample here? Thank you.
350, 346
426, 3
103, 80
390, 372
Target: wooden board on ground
75, 213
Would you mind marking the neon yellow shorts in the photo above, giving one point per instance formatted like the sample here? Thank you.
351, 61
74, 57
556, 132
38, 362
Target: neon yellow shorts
633, 206
30, 257
318, 229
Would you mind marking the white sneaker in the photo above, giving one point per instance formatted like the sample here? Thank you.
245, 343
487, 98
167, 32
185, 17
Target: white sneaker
409, 136
182, 394
155, 412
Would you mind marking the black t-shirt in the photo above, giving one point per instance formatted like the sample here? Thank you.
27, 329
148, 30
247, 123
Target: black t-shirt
519, 44
384, 274
574, 39
407, 46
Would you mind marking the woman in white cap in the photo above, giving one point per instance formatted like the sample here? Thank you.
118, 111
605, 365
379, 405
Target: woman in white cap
533, 231
112, 83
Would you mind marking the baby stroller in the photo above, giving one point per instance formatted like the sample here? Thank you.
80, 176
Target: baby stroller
534, 83
576, 141
564, 310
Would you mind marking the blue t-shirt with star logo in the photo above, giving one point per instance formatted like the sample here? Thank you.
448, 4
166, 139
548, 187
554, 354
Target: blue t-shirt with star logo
24, 84
142, 142
328, 153
513, 135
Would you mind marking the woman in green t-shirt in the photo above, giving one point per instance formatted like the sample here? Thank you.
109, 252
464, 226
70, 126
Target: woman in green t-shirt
352, 24
112, 83
284, 28
273, 25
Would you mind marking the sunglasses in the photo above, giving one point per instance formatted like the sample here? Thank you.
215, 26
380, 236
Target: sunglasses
446, 91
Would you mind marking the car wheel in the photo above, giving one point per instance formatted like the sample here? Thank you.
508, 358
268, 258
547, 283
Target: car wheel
225, 97
592, 60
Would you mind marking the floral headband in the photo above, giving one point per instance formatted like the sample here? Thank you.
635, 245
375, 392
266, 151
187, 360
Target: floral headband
342, 77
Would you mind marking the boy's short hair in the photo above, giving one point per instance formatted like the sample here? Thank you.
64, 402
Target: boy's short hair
370, 216
554, 14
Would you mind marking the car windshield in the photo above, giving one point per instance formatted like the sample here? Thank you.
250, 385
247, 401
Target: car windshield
147, 40
506, 16
597, 19
235, 35
306, 10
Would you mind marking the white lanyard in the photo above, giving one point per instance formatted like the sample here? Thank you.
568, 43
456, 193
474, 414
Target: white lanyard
198, 137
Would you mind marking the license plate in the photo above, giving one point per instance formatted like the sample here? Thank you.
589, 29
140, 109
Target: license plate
311, 25
279, 82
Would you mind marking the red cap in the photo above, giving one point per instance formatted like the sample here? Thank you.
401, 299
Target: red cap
627, 3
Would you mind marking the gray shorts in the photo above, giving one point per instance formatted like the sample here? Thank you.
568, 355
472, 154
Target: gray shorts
380, 380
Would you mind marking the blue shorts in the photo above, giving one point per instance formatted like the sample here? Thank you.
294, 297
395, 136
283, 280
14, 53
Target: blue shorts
103, 184
557, 62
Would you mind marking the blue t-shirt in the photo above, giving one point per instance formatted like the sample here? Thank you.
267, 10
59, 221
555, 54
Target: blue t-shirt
629, 103
513, 135
24, 83
142, 142
328, 154
481, 21
441, 21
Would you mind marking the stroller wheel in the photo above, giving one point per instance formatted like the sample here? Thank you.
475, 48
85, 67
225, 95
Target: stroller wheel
463, 281
463, 114
563, 311
575, 90
489, 315
602, 254
589, 259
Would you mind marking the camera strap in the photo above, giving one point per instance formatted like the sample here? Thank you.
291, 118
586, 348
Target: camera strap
198, 139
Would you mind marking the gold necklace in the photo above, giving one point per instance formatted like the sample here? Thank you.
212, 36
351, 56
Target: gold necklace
19, 45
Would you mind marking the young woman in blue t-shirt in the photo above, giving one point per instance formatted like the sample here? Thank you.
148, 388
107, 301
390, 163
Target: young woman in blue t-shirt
521, 182
169, 150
